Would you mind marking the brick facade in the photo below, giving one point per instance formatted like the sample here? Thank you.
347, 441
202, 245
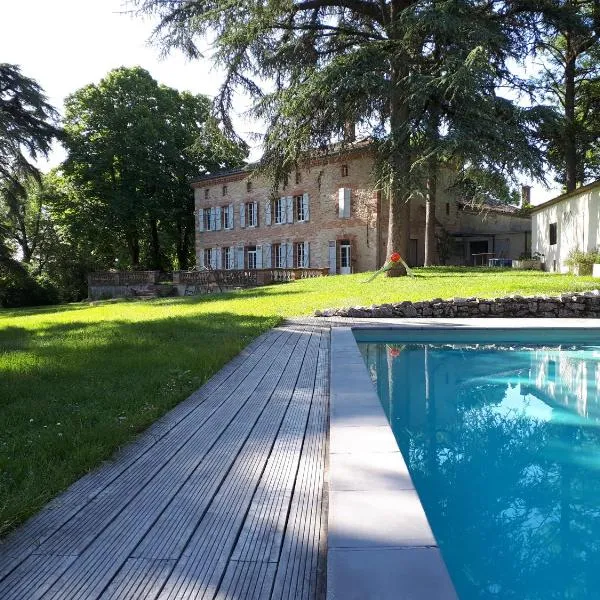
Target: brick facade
332, 216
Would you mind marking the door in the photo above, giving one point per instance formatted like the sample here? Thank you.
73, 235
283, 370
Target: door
345, 258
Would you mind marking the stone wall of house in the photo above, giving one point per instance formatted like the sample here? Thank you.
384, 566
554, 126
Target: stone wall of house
321, 180
583, 304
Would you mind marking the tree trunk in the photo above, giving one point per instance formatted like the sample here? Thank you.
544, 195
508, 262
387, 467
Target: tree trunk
133, 245
399, 200
570, 142
430, 201
182, 246
154, 244
433, 125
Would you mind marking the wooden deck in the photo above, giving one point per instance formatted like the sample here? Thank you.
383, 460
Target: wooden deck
223, 498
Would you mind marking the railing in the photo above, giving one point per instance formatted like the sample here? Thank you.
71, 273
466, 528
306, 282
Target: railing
123, 277
225, 278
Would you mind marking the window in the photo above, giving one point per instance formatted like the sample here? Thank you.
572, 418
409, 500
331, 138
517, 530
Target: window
251, 214
344, 170
298, 177
209, 258
279, 210
299, 208
251, 257
227, 216
279, 256
552, 234
228, 259
206, 219
224, 190
301, 254
206, 194
248, 186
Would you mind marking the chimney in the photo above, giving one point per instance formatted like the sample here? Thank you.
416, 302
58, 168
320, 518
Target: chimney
525, 195
349, 132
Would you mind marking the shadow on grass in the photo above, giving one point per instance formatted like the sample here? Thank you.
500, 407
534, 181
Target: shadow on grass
82, 390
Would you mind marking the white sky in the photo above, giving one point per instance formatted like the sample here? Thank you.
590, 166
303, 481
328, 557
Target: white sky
66, 44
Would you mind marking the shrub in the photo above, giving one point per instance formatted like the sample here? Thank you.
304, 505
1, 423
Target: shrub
19, 288
581, 261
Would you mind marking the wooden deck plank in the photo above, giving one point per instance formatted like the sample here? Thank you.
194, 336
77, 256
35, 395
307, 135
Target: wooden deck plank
299, 567
269, 506
202, 566
140, 578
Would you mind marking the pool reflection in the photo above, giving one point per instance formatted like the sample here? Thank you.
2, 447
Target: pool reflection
504, 448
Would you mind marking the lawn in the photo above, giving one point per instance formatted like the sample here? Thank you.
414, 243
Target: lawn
79, 381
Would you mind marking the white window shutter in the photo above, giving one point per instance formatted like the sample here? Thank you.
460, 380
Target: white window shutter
201, 258
201, 220
345, 197
218, 218
305, 206
230, 208
267, 256
239, 257
290, 209
268, 212
332, 258
242, 215
259, 257
289, 255
219, 252
306, 254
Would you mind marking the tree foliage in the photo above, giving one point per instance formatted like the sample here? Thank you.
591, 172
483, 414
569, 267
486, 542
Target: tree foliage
133, 146
570, 53
27, 124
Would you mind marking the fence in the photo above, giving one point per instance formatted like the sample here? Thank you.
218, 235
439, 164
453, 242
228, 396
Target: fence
218, 279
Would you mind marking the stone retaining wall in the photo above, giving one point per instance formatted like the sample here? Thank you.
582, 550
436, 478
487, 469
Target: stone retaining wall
584, 304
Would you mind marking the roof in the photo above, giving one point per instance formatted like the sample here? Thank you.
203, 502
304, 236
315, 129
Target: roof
566, 196
357, 146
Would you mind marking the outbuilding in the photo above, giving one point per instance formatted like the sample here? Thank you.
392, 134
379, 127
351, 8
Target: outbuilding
566, 223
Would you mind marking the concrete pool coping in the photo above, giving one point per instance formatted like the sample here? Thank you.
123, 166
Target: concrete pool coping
380, 544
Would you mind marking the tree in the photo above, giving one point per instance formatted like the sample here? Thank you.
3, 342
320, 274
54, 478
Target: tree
132, 147
468, 127
23, 220
329, 62
26, 124
571, 78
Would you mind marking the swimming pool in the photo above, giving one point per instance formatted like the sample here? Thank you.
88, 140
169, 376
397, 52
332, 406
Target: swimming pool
501, 435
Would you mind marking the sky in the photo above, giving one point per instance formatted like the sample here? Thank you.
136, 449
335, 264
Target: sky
66, 44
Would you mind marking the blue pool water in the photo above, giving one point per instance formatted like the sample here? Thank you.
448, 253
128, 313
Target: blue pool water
503, 444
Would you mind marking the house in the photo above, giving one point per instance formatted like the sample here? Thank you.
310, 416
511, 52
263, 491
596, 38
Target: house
570, 221
329, 214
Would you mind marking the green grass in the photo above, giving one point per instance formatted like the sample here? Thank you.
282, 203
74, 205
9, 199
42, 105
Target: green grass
79, 381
